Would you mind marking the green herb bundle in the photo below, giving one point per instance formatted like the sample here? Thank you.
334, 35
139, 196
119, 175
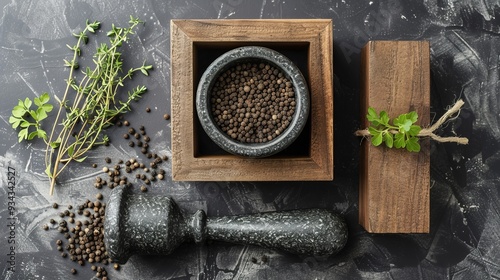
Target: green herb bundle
402, 133
87, 106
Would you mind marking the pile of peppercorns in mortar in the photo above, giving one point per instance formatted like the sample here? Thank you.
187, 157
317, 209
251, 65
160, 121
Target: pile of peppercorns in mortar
253, 103
85, 237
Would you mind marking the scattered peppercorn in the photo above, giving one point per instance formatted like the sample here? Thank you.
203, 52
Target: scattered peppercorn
45, 227
73, 271
94, 165
99, 196
126, 123
148, 109
55, 205
107, 160
166, 116
144, 188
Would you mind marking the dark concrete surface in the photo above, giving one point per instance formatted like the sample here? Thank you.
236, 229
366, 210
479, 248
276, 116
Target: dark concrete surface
465, 182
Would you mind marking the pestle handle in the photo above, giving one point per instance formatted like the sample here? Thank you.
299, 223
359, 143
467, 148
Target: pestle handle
309, 231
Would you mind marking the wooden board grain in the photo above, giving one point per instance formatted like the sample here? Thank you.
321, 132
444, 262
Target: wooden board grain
394, 183
190, 41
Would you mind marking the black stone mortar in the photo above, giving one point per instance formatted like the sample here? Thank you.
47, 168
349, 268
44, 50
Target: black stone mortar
253, 54
146, 224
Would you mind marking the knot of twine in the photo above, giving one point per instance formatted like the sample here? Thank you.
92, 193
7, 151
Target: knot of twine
429, 132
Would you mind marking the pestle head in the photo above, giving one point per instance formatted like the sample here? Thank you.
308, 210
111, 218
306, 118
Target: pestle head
141, 224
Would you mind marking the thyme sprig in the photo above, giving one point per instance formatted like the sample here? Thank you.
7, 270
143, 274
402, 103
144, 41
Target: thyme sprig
88, 105
91, 104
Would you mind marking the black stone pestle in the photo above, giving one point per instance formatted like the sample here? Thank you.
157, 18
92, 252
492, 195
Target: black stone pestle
146, 224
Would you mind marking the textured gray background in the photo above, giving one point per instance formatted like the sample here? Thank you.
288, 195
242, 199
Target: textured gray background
464, 242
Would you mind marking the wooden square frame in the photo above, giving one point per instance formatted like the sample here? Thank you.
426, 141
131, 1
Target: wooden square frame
187, 165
